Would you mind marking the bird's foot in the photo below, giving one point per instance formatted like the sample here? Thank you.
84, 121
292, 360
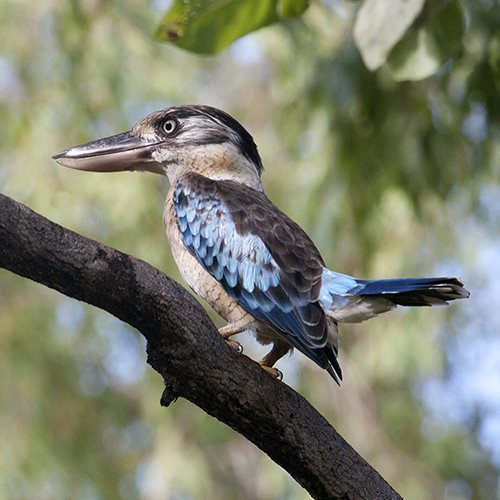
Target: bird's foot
228, 331
273, 372
277, 352
235, 345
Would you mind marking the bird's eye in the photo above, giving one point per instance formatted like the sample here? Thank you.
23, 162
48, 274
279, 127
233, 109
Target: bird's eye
169, 126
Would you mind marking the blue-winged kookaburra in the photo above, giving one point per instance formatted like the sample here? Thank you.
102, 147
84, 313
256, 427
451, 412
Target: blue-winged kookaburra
255, 266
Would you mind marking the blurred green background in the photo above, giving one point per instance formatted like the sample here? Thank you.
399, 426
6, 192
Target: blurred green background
389, 179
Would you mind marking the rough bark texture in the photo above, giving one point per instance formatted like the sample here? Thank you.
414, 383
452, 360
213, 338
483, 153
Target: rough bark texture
186, 349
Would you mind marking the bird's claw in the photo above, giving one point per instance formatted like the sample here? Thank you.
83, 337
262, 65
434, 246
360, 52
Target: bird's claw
273, 372
235, 345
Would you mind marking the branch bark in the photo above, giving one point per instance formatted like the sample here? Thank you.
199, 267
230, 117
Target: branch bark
184, 346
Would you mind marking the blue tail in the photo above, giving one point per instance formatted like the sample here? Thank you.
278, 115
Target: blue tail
349, 299
412, 291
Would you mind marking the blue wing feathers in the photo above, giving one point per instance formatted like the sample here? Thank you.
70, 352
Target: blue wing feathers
208, 232
247, 270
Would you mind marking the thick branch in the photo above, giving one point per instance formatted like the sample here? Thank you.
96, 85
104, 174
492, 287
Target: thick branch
185, 348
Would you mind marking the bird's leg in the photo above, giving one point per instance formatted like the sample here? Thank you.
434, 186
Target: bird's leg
277, 352
229, 330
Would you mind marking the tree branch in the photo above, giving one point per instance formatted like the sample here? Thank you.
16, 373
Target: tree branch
186, 349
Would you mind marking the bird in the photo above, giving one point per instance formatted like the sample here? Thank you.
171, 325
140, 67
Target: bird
255, 266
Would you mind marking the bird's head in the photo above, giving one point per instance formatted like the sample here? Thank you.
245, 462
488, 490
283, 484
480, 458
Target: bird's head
171, 142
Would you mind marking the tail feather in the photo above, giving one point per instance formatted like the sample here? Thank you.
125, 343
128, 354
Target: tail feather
348, 299
413, 291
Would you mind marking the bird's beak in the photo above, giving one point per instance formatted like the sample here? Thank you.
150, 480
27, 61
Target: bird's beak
125, 151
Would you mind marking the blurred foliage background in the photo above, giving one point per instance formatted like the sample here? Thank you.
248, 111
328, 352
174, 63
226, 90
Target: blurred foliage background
389, 178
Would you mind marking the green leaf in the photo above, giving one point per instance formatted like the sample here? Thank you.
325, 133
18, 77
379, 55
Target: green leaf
208, 26
424, 50
379, 26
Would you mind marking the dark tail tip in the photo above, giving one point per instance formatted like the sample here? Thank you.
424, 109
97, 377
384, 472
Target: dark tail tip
417, 291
